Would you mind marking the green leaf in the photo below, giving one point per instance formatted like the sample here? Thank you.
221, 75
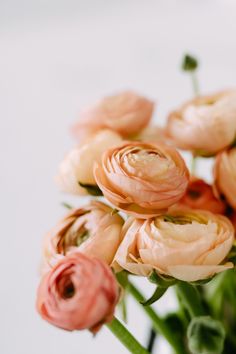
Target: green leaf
206, 336
161, 280
189, 63
156, 296
67, 206
91, 189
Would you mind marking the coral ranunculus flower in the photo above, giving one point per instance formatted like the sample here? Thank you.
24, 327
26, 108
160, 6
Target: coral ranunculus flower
126, 113
91, 229
199, 195
187, 245
225, 175
206, 124
77, 166
142, 179
78, 293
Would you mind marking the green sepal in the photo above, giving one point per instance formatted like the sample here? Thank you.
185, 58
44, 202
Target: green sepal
161, 280
189, 63
122, 278
156, 296
91, 189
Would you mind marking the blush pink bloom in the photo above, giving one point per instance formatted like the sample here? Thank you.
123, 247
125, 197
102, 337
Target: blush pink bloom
188, 245
92, 230
199, 195
78, 293
126, 113
78, 164
142, 179
225, 175
206, 124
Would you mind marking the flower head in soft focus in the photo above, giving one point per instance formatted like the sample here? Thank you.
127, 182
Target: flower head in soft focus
126, 113
188, 245
225, 175
78, 293
77, 166
153, 134
199, 195
142, 179
205, 125
93, 230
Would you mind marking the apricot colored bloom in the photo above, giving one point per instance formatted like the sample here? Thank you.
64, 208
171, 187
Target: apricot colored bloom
78, 293
188, 245
92, 230
78, 164
205, 124
126, 113
199, 195
225, 175
142, 179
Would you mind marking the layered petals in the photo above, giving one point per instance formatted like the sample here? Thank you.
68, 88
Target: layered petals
126, 113
206, 124
142, 179
93, 230
78, 293
188, 245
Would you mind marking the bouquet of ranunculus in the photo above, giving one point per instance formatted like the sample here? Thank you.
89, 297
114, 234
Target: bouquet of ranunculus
149, 216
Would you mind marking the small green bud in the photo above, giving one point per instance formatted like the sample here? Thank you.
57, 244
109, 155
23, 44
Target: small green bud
189, 63
205, 336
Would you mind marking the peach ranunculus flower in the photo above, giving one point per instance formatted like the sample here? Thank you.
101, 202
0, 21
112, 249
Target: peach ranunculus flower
205, 124
78, 164
153, 134
78, 293
92, 230
199, 195
225, 175
126, 113
189, 245
142, 179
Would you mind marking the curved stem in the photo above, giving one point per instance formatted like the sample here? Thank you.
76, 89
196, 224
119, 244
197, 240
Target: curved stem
191, 299
158, 323
126, 338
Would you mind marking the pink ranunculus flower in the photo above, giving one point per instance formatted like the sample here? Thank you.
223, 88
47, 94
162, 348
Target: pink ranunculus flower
78, 164
126, 113
205, 125
93, 230
142, 179
200, 195
78, 293
189, 245
225, 175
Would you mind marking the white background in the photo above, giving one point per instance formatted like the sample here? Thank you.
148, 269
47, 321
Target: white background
55, 57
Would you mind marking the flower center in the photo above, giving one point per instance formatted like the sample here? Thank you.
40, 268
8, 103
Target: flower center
146, 163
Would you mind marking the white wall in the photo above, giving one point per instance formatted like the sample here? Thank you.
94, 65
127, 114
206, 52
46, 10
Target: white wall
55, 56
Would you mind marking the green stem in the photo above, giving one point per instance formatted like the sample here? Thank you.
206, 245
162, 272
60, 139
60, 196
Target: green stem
126, 338
195, 83
158, 323
191, 299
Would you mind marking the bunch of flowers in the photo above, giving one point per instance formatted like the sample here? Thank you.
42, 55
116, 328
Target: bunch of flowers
148, 216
